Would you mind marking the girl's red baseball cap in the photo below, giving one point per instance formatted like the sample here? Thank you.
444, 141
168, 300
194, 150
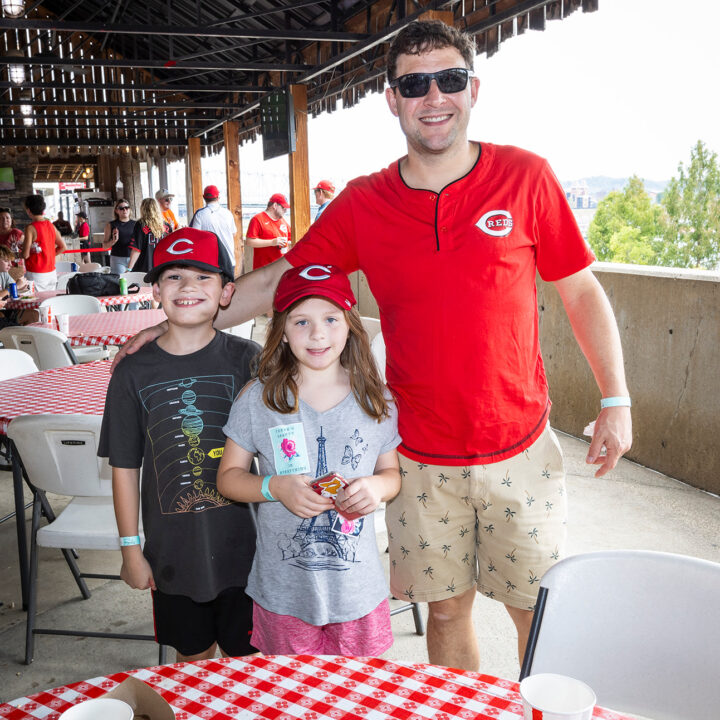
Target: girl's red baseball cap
325, 281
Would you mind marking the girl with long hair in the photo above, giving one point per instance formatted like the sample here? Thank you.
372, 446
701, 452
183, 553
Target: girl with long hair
148, 231
317, 415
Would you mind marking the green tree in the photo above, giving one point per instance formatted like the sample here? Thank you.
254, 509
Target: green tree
691, 223
627, 226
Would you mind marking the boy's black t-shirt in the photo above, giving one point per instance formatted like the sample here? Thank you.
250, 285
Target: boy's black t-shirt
166, 412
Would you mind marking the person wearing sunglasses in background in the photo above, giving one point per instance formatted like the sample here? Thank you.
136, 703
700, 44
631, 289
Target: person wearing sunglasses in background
165, 198
450, 238
118, 236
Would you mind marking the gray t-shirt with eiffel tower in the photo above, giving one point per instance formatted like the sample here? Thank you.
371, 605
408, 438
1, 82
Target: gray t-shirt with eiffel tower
321, 570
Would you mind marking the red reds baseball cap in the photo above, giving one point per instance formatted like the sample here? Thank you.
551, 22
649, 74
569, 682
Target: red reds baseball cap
192, 247
280, 199
326, 281
325, 185
211, 192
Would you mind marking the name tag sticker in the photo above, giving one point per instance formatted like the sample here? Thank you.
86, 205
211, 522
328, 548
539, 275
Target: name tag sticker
289, 449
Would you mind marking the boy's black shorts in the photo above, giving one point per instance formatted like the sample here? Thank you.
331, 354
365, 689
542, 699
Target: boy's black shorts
192, 627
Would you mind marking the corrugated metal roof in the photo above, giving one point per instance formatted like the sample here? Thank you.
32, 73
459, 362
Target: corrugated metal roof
120, 73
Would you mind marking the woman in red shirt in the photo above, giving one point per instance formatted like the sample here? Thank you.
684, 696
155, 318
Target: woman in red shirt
10, 236
41, 244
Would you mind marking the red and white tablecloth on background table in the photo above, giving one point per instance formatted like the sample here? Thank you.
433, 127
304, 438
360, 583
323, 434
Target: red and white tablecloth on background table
109, 328
307, 687
145, 295
67, 390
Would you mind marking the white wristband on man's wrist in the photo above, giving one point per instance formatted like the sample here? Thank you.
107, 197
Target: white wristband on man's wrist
619, 401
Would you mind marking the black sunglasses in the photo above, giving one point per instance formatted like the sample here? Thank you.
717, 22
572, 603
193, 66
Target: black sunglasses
417, 85
122, 207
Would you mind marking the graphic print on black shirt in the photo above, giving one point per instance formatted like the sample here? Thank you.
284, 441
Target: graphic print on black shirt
185, 420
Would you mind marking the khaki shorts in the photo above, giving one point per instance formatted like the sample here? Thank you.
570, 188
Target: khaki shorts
499, 526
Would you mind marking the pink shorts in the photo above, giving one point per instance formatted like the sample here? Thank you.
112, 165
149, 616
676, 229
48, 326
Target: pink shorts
367, 636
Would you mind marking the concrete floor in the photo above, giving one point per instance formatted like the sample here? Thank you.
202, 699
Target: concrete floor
633, 508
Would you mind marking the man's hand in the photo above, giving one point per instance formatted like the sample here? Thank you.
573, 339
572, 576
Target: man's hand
135, 570
135, 343
613, 432
295, 493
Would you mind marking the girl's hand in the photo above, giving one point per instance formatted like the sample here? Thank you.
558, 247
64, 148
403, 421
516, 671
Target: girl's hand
362, 495
136, 570
295, 493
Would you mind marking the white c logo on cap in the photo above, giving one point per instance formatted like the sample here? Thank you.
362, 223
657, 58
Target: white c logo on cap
173, 251
308, 274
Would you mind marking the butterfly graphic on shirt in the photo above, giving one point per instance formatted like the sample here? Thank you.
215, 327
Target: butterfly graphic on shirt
356, 437
350, 459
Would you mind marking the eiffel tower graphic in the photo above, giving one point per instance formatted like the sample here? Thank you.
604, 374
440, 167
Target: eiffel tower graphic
322, 468
315, 532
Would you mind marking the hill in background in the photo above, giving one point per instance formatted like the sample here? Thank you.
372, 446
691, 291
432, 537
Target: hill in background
599, 186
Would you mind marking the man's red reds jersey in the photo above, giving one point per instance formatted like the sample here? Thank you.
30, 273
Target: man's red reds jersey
263, 227
454, 277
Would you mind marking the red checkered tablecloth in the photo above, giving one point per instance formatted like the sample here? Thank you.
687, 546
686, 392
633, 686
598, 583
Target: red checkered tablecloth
31, 303
145, 295
109, 328
65, 391
308, 687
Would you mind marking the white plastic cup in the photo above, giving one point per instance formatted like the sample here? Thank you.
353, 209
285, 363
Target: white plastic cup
63, 322
547, 696
45, 314
99, 709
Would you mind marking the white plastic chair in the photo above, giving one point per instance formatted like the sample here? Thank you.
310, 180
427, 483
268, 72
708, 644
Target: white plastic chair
79, 305
73, 305
63, 281
63, 266
59, 454
371, 325
244, 330
47, 348
136, 277
90, 267
14, 363
377, 346
641, 628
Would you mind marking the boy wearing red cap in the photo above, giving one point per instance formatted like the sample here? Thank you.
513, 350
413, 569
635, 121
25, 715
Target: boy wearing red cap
269, 232
164, 412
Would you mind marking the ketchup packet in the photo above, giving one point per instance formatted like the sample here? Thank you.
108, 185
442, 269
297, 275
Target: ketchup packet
329, 486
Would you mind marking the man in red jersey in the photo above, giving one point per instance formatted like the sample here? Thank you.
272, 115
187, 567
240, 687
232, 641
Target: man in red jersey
450, 238
269, 232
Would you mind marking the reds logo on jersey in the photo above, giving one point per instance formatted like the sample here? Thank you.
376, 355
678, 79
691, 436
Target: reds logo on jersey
497, 223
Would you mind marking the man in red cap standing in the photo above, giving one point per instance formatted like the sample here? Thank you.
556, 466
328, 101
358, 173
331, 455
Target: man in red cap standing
324, 193
215, 218
269, 232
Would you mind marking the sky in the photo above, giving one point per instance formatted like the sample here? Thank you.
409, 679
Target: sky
626, 90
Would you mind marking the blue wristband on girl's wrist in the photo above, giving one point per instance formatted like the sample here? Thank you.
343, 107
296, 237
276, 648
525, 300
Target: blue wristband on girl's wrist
265, 489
